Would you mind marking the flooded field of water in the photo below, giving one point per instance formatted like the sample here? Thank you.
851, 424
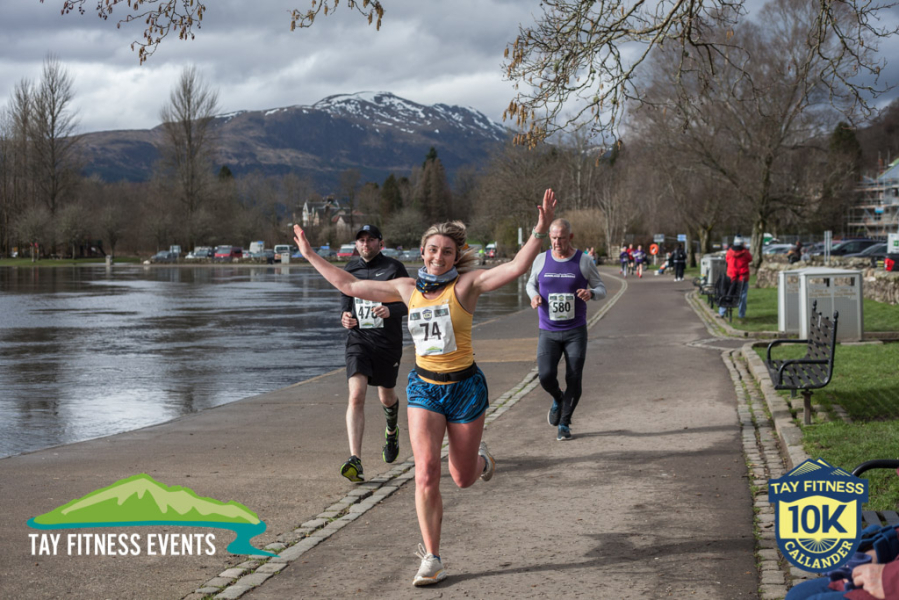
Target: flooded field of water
90, 351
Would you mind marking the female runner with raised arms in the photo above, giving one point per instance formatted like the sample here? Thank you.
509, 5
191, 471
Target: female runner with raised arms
447, 392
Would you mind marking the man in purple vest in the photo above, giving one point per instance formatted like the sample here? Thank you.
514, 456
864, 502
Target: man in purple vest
562, 280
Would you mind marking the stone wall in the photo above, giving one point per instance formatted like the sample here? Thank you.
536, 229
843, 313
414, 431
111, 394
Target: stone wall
877, 284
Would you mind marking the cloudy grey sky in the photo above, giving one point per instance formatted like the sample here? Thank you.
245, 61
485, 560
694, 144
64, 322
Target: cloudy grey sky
448, 51
427, 51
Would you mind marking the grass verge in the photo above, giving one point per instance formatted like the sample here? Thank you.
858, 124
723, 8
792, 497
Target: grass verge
761, 312
866, 384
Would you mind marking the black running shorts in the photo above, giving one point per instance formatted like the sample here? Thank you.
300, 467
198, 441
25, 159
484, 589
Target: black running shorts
381, 368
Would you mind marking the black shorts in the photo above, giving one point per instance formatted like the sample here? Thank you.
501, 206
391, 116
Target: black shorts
380, 367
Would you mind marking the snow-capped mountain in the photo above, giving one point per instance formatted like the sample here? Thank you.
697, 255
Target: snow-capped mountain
377, 133
383, 109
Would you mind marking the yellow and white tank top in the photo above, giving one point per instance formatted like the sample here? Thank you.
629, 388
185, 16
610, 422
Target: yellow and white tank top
441, 330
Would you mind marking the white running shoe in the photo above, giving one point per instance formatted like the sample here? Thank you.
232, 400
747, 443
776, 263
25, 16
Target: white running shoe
487, 475
431, 569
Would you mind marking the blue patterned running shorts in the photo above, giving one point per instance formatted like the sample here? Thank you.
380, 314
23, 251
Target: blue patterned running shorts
460, 402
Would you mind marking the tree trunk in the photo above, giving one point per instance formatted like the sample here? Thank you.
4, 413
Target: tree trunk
755, 242
705, 239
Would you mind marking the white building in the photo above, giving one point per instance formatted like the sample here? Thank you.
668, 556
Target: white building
877, 211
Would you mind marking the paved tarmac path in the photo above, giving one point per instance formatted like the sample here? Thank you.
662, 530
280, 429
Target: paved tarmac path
649, 500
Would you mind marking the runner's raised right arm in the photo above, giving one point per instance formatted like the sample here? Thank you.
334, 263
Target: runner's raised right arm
395, 290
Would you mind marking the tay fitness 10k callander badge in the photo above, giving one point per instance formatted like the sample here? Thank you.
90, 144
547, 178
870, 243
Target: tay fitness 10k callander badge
818, 515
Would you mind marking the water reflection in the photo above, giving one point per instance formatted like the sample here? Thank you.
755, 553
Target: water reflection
89, 351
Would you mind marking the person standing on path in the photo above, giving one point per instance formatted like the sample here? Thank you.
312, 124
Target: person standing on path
374, 348
447, 391
562, 280
679, 260
738, 259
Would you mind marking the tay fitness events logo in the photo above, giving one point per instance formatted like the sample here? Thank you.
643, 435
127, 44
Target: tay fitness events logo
139, 502
818, 511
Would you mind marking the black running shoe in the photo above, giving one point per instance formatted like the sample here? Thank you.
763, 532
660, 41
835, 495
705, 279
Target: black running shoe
391, 445
555, 413
352, 470
564, 433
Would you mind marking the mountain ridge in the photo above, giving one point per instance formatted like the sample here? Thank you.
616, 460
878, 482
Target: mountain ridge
377, 133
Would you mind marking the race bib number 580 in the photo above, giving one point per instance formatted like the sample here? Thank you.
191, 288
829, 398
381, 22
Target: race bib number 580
561, 307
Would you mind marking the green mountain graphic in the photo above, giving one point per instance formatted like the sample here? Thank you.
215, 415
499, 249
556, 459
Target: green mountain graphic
142, 498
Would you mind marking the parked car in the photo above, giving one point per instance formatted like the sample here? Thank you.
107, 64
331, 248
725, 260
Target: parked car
843, 247
200, 252
266, 255
816, 249
410, 255
490, 251
851, 247
164, 256
347, 251
776, 248
390, 253
874, 253
327, 252
282, 249
227, 253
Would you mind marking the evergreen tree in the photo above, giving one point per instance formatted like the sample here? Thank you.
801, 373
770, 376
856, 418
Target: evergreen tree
844, 146
431, 156
391, 198
434, 192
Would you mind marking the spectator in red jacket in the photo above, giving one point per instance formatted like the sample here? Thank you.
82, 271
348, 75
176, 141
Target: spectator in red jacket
738, 259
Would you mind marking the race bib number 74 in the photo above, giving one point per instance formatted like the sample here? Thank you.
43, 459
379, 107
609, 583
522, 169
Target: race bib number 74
432, 330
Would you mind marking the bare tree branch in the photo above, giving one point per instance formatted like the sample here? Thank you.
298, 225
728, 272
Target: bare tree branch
582, 56
182, 17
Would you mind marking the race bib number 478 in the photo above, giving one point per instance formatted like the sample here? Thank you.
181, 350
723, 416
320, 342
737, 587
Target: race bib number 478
365, 316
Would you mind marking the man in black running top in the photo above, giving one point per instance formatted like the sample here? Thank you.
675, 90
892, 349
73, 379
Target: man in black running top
374, 347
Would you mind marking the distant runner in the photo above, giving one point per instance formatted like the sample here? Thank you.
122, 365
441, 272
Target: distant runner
624, 258
639, 259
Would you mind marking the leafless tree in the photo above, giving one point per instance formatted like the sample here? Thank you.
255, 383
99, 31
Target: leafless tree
618, 193
17, 191
33, 225
71, 225
51, 132
513, 181
404, 227
189, 145
582, 56
755, 121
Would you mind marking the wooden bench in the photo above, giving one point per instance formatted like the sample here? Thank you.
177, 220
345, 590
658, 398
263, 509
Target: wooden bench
815, 369
884, 517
